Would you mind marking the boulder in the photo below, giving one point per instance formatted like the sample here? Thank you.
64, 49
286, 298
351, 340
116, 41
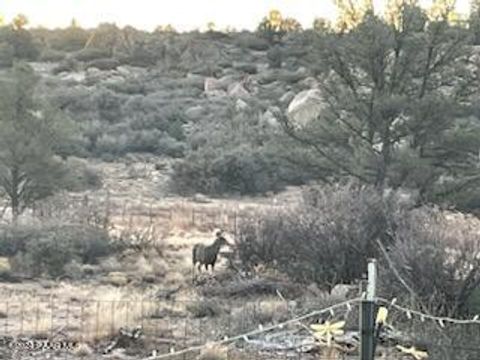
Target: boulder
238, 91
287, 97
246, 68
305, 107
103, 64
309, 83
5, 267
200, 198
117, 278
194, 112
212, 85
196, 81
241, 105
344, 291
268, 119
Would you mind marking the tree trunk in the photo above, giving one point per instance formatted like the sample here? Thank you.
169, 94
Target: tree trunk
14, 194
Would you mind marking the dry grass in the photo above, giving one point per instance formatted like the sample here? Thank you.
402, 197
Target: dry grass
68, 309
213, 352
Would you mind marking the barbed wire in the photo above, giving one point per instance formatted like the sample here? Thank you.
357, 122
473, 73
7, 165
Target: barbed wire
258, 331
441, 320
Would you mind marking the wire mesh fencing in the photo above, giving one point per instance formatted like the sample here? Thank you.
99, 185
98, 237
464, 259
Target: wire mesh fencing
173, 327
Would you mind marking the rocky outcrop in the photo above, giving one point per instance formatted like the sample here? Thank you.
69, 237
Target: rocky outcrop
305, 107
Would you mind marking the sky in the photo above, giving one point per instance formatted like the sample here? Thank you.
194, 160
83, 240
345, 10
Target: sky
184, 15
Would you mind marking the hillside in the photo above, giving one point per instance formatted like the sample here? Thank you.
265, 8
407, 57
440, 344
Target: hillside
123, 153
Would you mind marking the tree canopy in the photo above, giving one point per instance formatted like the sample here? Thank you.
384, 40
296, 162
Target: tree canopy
397, 95
31, 133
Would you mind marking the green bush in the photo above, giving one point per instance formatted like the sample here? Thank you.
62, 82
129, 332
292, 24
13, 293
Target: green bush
242, 170
81, 177
205, 308
51, 55
327, 239
91, 54
439, 260
71, 39
47, 249
252, 42
22, 42
7, 54
103, 64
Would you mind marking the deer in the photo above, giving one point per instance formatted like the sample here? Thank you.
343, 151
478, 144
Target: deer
207, 254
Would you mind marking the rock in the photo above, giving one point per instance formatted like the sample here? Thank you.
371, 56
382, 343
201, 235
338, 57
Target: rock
73, 77
117, 278
5, 266
200, 198
305, 107
195, 81
268, 119
213, 87
287, 97
194, 112
310, 83
344, 291
314, 290
238, 91
228, 80
246, 68
83, 350
103, 64
124, 70
241, 105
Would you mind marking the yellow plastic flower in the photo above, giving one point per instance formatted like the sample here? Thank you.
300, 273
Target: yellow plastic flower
382, 315
415, 353
328, 330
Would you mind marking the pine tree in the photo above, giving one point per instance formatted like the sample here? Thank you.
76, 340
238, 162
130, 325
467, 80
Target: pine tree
474, 21
396, 104
30, 136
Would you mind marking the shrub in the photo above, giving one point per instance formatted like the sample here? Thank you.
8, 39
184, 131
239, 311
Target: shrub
439, 260
213, 352
48, 249
51, 55
275, 57
103, 64
7, 53
326, 239
90, 54
81, 176
252, 42
71, 39
241, 170
21, 41
48, 255
68, 65
205, 308
5, 267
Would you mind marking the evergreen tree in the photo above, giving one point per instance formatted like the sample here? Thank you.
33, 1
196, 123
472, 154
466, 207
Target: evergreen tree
30, 136
474, 21
397, 107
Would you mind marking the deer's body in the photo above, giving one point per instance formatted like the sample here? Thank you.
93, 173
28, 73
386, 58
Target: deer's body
207, 255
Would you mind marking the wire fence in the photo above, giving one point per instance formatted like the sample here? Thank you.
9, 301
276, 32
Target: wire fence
168, 327
181, 329
106, 211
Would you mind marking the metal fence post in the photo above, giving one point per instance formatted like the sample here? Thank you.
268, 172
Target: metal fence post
367, 315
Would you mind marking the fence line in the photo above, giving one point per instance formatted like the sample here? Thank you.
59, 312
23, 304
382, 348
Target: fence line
258, 331
172, 332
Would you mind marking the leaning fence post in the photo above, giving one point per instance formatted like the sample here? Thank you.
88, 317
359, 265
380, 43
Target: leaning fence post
367, 315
